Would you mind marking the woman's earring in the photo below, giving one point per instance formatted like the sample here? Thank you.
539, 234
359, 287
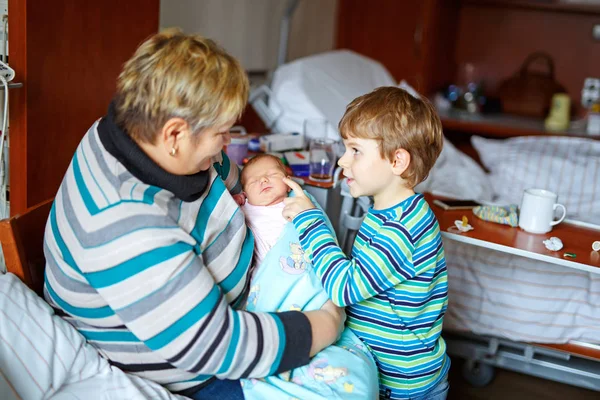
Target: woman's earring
173, 151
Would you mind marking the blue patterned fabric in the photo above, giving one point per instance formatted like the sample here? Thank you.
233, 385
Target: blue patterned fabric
285, 281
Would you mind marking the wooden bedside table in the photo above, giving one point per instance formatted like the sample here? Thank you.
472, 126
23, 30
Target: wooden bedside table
576, 239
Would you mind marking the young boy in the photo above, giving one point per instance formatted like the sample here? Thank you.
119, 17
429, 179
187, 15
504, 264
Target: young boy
395, 283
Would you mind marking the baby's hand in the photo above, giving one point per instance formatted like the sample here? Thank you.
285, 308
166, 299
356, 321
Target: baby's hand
240, 199
295, 205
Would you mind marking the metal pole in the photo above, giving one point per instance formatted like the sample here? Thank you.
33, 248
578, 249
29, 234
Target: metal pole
284, 31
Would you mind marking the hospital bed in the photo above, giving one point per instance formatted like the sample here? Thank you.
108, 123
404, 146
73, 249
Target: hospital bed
484, 323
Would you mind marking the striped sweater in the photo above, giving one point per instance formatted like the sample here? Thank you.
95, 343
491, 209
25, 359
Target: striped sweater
395, 288
152, 281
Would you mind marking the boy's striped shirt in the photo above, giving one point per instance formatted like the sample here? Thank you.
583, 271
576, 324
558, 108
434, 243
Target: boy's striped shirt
148, 278
394, 286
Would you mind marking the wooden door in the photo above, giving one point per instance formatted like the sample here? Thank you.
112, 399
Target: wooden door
68, 55
389, 31
413, 39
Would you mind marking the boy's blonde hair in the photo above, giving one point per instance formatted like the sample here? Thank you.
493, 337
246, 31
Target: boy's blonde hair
176, 75
257, 158
397, 120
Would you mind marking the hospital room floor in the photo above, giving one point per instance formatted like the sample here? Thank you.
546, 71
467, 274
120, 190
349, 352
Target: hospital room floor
513, 386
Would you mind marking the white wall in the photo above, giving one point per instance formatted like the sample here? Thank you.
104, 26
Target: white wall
249, 29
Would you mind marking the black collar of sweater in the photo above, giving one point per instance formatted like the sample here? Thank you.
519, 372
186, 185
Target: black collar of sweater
118, 143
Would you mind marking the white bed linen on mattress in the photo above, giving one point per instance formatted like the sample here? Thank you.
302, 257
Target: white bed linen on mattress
498, 294
494, 293
42, 356
458, 176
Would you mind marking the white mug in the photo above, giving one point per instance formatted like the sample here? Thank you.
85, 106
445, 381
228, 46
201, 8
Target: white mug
537, 211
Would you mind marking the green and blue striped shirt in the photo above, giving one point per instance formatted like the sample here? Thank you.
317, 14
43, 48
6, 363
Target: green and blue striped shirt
395, 288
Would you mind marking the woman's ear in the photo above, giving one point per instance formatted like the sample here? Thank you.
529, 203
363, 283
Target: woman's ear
401, 161
172, 132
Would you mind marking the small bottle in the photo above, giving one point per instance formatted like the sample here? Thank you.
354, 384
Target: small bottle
593, 124
559, 116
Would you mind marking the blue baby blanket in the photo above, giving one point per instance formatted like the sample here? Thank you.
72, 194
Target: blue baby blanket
346, 370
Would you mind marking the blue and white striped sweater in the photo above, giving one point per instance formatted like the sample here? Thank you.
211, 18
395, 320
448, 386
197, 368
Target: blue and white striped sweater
149, 279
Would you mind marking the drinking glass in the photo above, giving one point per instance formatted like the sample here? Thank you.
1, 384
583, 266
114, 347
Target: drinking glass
322, 160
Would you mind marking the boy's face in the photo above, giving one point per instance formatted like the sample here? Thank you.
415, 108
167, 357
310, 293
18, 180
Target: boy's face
263, 183
368, 173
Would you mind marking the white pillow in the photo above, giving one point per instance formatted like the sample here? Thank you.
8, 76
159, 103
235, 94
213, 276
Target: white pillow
321, 86
43, 356
567, 166
458, 176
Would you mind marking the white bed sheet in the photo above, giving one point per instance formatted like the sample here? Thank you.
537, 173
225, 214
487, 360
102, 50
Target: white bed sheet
42, 356
494, 293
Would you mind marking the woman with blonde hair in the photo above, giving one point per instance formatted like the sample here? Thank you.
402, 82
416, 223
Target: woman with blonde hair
147, 253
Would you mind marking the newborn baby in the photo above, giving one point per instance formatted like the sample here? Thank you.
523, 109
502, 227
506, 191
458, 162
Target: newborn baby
265, 191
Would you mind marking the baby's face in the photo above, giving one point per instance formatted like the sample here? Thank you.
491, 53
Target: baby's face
263, 183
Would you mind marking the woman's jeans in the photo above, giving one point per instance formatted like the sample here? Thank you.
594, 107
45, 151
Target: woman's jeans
221, 390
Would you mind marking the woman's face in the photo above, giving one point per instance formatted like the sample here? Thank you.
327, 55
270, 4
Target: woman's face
181, 152
196, 152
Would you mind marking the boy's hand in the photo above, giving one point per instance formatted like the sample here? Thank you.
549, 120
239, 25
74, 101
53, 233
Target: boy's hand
240, 199
295, 205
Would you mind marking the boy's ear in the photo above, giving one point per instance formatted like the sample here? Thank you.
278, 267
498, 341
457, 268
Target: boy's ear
401, 162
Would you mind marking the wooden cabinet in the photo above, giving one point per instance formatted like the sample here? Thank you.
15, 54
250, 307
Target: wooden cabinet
413, 39
426, 42
68, 55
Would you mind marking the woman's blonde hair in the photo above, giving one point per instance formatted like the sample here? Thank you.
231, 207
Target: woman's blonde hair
173, 74
397, 120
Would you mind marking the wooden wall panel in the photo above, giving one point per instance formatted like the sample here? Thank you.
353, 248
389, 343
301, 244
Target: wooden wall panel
68, 55
439, 44
385, 31
18, 107
414, 40
497, 40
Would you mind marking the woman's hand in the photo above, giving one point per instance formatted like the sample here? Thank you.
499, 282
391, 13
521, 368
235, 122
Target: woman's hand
295, 205
339, 313
326, 324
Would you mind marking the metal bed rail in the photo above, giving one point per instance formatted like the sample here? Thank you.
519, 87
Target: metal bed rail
484, 353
